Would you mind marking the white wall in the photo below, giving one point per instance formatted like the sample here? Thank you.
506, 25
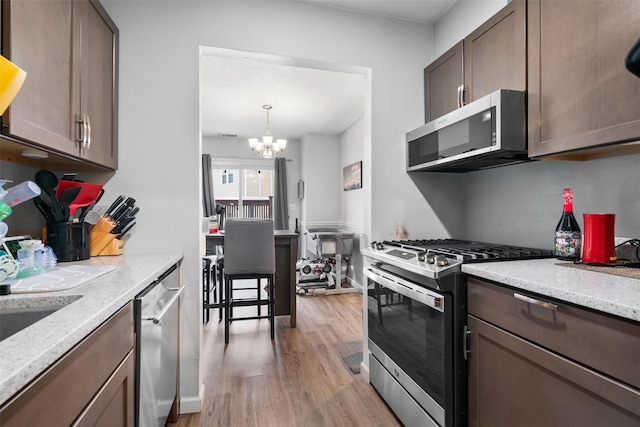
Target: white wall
159, 129
352, 207
320, 157
353, 204
460, 20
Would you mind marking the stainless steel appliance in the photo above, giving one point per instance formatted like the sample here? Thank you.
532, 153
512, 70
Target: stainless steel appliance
488, 132
156, 324
416, 317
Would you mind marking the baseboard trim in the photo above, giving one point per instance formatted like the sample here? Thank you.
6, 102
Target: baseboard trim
192, 405
364, 371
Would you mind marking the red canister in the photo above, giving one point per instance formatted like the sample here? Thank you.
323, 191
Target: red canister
598, 245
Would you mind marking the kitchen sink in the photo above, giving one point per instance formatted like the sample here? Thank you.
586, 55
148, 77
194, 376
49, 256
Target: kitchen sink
17, 314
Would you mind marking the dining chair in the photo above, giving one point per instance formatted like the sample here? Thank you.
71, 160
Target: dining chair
249, 253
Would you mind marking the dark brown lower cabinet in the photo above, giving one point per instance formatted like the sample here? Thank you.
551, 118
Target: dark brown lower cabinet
111, 406
91, 385
514, 381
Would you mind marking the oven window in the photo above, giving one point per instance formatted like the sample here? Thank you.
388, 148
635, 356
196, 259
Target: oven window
410, 333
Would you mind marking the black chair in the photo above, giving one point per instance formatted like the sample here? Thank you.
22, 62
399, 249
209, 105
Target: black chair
249, 253
206, 286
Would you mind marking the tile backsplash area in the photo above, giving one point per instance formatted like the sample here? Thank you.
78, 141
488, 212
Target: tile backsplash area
521, 204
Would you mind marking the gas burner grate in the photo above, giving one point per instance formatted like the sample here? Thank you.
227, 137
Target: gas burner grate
470, 252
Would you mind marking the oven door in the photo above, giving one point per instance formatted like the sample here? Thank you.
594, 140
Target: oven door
410, 329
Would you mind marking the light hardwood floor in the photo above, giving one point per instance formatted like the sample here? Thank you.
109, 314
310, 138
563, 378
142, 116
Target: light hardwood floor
296, 380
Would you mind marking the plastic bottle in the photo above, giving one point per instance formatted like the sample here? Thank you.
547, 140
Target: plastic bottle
22, 192
568, 241
5, 210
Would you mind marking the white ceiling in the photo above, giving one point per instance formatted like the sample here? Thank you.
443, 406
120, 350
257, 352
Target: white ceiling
306, 97
304, 100
427, 11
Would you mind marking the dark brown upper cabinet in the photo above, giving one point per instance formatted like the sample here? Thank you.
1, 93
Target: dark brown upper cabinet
583, 103
68, 103
492, 57
442, 81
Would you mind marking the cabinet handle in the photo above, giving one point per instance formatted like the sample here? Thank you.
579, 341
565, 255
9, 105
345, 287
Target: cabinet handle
458, 97
88, 131
465, 342
462, 89
534, 301
83, 131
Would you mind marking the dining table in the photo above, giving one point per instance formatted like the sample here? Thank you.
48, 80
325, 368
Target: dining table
286, 251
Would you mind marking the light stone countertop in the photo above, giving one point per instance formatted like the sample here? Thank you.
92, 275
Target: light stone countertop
608, 293
26, 354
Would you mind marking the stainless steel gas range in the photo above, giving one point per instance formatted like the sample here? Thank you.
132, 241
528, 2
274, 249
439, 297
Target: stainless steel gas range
416, 318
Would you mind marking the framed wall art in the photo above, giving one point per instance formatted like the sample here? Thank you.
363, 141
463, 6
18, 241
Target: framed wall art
352, 176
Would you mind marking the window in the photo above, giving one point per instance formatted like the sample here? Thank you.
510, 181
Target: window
227, 176
246, 192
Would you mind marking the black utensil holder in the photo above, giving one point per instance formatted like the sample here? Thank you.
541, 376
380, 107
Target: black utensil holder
69, 240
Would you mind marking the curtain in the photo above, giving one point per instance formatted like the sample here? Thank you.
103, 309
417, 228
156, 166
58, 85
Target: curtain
208, 202
280, 202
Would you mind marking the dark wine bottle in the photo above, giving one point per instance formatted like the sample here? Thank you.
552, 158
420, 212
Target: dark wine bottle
568, 235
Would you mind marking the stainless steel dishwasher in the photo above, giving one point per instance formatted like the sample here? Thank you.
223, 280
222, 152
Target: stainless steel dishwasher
156, 324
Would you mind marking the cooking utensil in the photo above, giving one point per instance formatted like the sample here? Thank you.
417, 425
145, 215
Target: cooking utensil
48, 181
92, 217
88, 193
69, 176
44, 208
66, 197
126, 230
122, 215
114, 205
88, 208
122, 225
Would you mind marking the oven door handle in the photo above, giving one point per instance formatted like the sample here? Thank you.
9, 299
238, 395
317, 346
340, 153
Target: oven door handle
403, 287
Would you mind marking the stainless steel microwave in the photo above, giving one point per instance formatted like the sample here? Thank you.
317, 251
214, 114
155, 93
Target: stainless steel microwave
486, 133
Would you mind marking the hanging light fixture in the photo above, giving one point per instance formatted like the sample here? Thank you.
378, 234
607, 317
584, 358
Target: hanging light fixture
266, 148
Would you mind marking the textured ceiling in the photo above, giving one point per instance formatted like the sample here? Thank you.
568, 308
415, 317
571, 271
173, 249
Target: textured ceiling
305, 98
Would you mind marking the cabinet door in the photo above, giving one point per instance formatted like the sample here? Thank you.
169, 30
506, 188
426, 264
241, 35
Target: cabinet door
62, 392
580, 93
99, 84
442, 78
41, 38
113, 404
495, 55
513, 382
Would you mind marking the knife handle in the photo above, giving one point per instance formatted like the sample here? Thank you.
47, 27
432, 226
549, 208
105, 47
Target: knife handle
114, 205
118, 213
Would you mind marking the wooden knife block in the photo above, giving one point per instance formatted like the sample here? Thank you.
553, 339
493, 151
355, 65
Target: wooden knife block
102, 241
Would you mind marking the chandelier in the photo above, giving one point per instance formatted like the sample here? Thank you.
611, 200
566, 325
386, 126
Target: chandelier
266, 148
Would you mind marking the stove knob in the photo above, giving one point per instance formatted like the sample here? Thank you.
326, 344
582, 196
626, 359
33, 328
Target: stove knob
379, 246
422, 256
431, 258
441, 260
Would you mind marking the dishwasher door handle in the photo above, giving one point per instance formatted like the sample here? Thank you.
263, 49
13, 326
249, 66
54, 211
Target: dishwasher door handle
157, 318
